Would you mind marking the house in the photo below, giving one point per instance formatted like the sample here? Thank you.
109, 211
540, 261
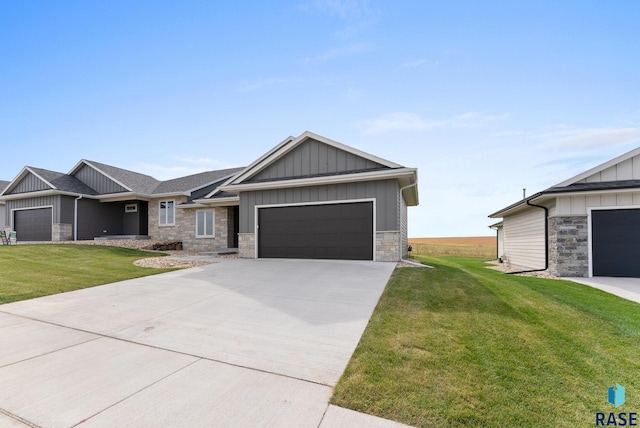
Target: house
588, 225
308, 197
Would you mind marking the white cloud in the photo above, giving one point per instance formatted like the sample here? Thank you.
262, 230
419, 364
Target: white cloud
403, 121
591, 138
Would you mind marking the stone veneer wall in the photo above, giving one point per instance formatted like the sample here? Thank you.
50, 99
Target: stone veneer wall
184, 229
61, 232
247, 245
388, 246
569, 246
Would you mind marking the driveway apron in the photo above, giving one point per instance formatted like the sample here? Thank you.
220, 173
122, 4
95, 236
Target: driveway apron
236, 343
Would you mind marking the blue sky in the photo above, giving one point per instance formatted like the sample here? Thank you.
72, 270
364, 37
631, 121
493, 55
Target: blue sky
484, 97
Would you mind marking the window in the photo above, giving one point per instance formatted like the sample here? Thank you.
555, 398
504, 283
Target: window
204, 224
131, 208
167, 213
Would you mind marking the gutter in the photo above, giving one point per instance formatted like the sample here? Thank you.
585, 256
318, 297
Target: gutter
546, 240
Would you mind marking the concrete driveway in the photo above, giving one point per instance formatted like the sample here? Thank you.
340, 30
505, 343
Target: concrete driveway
627, 288
237, 343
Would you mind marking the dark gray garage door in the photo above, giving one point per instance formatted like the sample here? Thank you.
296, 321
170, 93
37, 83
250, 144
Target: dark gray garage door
334, 231
33, 225
615, 242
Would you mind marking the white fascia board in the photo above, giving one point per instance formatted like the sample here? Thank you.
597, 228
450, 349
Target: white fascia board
231, 201
118, 197
40, 193
519, 206
600, 168
186, 206
105, 174
316, 181
167, 195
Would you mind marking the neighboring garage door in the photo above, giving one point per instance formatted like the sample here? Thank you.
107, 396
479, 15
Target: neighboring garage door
615, 242
33, 225
332, 231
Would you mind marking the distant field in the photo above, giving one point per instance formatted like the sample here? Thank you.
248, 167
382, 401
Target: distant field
465, 246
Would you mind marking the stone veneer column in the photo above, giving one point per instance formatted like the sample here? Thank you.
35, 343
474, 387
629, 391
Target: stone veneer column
61, 232
569, 246
247, 245
388, 246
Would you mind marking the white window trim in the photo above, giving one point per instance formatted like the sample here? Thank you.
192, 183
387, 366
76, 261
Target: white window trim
160, 224
213, 224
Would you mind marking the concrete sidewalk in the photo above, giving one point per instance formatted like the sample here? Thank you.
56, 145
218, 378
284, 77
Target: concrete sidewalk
237, 343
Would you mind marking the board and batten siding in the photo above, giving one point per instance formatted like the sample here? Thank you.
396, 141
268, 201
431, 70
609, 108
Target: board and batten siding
30, 183
628, 169
98, 181
38, 202
580, 204
313, 158
3, 217
384, 191
524, 239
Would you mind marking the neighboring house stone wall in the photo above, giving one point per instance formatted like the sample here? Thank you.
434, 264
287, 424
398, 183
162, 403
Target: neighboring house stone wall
388, 246
568, 246
184, 229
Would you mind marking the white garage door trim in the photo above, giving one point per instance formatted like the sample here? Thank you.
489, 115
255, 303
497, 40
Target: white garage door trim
590, 227
13, 227
300, 204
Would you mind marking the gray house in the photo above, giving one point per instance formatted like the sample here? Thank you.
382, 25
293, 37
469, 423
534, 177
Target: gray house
3, 223
588, 225
308, 197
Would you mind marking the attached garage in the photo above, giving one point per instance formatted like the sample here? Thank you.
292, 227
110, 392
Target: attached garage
33, 224
320, 231
615, 242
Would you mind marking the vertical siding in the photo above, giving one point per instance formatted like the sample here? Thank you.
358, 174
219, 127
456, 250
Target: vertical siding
30, 183
625, 170
524, 239
384, 191
42, 201
94, 218
98, 181
312, 158
3, 216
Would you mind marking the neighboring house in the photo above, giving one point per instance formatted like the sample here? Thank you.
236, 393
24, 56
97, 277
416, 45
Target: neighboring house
308, 197
3, 184
588, 225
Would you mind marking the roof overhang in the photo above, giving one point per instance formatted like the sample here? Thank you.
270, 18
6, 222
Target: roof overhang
218, 202
40, 193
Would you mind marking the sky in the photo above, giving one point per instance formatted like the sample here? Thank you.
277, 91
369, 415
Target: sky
485, 98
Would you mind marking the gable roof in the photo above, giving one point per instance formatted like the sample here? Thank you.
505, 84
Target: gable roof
54, 180
577, 183
130, 180
379, 169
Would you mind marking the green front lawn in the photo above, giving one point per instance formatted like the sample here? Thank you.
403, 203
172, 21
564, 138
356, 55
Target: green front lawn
28, 271
463, 345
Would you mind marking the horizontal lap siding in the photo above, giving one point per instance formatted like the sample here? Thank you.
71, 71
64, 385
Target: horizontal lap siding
524, 239
385, 192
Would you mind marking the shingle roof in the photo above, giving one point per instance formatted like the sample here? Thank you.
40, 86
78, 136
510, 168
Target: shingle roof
3, 185
138, 183
64, 182
602, 185
194, 181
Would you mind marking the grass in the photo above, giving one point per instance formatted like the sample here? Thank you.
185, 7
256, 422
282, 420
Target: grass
477, 246
28, 271
462, 345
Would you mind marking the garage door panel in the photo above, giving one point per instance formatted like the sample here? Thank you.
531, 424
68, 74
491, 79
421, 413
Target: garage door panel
616, 242
33, 225
331, 231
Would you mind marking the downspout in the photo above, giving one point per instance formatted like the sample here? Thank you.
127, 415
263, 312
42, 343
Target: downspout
402, 189
75, 218
546, 241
